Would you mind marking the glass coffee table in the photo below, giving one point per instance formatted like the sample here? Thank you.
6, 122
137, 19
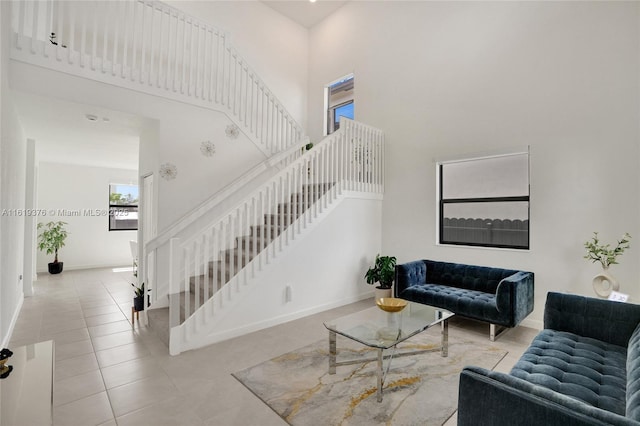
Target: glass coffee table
383, 330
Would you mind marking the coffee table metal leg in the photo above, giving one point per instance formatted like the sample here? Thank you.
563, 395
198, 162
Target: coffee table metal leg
380, 374
332, 352
445, 337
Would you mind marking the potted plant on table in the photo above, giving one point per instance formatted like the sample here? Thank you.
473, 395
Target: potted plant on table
138, 300
51, 239
383, 272
604, 283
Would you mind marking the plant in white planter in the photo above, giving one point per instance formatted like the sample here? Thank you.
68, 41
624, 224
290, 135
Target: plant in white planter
383, 272
51, 239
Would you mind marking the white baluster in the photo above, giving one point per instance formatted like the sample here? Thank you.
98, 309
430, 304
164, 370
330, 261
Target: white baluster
34, 29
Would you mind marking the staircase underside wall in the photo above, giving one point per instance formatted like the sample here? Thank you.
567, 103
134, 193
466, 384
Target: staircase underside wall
323, 270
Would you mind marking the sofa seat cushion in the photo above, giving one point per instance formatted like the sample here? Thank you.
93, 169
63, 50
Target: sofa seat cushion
469, 303
586, 369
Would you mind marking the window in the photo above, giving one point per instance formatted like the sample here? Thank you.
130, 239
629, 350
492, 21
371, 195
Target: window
485, 201
339, 102
123, 207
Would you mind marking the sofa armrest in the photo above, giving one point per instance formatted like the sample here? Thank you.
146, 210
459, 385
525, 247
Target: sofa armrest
611, 322
488, 398
408, 274
515, 294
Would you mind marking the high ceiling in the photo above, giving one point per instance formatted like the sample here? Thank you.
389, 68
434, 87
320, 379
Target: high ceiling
304, 12
64, 134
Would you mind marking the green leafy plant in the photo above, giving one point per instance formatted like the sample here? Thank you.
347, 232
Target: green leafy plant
52, 237
138, 290
383, 271
603, 253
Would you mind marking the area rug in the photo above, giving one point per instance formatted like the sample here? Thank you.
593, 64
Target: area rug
420, 389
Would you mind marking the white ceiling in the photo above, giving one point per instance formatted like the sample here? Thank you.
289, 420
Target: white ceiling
63, 134
304, 12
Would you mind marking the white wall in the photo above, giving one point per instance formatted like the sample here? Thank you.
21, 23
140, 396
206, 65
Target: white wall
444, 79
75, 188
12, 183
273, 45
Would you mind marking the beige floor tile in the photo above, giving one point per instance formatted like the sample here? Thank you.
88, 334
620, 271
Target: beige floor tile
55, 327
110, 328
108, 341
105, 318
122, 353
174, 411
67, 336
71, 350
134, 396
130, 371
100, 310
92, 410
77, 365
78, 387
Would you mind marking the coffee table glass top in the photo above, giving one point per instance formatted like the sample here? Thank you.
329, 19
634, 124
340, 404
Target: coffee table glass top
379, 329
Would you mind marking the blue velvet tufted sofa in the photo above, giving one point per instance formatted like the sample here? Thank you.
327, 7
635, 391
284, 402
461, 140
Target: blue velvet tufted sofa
501, 297
582, 369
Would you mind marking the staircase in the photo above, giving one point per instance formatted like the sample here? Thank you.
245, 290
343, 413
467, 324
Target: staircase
205, 262
247, 247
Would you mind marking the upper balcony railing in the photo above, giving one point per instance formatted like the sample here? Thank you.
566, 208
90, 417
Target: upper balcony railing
155, 48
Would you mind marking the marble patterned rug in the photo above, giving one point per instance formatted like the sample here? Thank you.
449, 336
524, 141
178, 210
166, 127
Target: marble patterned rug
419, 389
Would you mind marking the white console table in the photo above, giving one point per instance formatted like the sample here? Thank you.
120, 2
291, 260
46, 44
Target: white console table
26, 395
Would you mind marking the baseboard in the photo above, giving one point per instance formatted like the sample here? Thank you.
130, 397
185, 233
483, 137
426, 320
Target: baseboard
14, 319
80, 267
261, 325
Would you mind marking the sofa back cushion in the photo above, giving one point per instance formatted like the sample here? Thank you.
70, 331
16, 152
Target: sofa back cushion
470, 277
633, 376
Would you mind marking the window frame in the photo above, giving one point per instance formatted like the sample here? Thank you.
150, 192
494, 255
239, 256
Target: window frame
442, 202
114, 207
332, 113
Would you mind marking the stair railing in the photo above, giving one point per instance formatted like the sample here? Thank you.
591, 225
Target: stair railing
152, 47
208, 269
151, 269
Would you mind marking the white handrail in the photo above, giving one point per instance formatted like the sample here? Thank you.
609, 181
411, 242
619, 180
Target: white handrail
153, 47
280, 159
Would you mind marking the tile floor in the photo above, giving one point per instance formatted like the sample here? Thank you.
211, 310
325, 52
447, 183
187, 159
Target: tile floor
110, 373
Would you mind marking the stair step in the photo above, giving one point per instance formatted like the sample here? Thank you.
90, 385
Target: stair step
269, 231
251, 241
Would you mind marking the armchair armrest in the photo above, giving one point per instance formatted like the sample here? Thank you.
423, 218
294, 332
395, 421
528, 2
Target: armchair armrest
611, 322
515, 294
409, 274
488, 398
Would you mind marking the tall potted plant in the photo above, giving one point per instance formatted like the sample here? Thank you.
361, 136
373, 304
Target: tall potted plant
383, 272
51, 239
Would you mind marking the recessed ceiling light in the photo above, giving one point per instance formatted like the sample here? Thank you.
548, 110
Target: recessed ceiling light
91, 117
312, 1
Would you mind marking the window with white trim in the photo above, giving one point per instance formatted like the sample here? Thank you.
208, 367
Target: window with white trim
123, 207
484, 201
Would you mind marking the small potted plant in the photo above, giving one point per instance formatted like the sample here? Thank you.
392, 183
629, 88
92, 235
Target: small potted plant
604, 283
383, 272
138, 300
51, 239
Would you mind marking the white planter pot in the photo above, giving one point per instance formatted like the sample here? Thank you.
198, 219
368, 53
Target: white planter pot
604, 283
382, 293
